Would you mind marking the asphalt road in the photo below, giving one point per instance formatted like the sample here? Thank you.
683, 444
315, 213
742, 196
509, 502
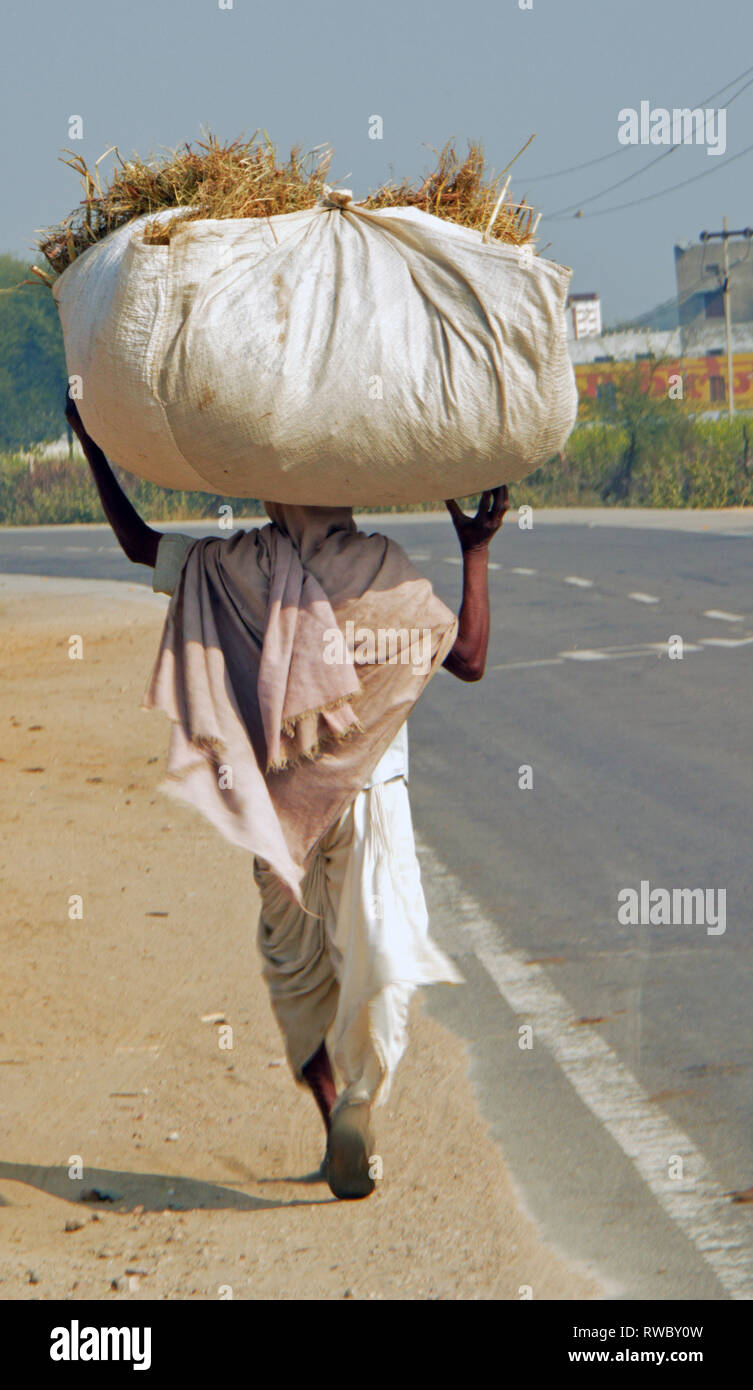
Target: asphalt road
627, 1121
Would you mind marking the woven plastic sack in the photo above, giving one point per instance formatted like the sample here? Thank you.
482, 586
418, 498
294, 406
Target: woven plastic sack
330, 356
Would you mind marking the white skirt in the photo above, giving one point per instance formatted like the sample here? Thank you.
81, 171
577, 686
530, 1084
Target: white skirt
346, 968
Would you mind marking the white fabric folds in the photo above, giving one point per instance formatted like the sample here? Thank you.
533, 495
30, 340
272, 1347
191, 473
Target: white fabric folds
346, 968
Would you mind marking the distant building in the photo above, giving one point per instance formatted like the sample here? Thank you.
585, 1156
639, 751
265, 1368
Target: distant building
626, 345
699, 270
584, 319
690, 326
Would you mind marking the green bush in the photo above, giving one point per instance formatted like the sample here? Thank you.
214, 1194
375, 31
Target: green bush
37, 491
639, 449
663, 463
713, 468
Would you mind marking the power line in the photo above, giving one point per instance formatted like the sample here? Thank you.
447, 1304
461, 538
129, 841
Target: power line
724, 237
651, 197
560, 212
574, 168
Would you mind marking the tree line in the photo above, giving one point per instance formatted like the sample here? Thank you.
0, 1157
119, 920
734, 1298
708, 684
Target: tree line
32, 361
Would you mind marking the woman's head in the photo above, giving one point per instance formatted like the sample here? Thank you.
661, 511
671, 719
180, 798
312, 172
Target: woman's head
307, 527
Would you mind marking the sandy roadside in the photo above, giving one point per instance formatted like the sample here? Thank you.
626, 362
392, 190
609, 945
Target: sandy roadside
198, 1150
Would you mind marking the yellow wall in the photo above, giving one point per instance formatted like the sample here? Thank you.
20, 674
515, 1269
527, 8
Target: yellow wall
696, 373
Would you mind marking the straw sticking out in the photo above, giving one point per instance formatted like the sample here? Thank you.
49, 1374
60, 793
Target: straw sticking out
247, 179
497, 207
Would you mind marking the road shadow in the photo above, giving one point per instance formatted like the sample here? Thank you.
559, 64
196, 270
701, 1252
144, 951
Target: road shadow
105, 1189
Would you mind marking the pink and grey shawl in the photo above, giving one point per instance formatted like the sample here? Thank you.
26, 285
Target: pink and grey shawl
269, 741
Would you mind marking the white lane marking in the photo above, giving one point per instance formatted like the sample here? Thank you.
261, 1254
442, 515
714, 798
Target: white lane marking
722, 616
586, 655
418, 555
696, 1202
578, 582
519, 665
619, 653
610, 654
520, 569
643, 598
452, 560
638, 647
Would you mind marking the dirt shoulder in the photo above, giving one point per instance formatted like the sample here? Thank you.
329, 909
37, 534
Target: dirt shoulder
198, 1151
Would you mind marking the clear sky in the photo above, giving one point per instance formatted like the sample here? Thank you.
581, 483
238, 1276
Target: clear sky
152, 73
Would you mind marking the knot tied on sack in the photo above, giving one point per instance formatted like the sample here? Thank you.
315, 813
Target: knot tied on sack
336, 197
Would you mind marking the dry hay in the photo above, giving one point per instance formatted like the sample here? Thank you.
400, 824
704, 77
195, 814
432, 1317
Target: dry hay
247, 179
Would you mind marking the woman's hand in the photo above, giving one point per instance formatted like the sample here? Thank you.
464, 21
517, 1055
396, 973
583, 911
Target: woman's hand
468, 656
475, 532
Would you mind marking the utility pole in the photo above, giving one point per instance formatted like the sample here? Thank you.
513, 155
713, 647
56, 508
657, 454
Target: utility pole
724, 236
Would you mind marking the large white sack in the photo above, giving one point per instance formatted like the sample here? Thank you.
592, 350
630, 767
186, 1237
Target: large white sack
334, 355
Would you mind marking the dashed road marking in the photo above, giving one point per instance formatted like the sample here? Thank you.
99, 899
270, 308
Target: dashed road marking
587, 654
696, 1202
520, 569
578, 582
643, 598
520, 665
726, 641
723, 617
